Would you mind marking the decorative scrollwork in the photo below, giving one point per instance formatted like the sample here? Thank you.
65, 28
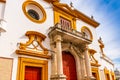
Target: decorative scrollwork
34, 43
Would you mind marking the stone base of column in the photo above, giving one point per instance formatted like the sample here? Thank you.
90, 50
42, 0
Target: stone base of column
58, 77
90, 78
93, 78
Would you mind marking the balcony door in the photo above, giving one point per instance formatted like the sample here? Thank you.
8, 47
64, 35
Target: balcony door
66, 24
69, 66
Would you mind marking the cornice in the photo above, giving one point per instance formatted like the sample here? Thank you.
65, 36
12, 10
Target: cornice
85, 18
64, 8
107, 59
33, 53
51, 1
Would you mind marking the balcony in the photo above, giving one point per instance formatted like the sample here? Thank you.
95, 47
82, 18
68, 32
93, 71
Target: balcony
68, 34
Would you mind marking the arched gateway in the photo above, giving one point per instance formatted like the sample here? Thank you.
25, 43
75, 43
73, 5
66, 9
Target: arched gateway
69, 66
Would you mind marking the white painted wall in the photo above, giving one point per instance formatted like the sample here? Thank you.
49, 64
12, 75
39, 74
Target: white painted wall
106, 64
17, 25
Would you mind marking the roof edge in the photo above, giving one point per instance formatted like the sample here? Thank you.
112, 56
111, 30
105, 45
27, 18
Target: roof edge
87, 19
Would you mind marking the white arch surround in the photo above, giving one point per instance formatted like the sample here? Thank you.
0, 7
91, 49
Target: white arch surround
78, 61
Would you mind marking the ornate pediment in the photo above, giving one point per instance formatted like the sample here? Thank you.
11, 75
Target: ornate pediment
33, 47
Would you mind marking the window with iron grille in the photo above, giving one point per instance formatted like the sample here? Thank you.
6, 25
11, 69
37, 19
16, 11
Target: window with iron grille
66, 24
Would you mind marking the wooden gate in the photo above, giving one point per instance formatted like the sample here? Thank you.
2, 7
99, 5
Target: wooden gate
69, 66
32, 73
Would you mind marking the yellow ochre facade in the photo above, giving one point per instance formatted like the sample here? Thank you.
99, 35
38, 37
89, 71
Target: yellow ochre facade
50, 40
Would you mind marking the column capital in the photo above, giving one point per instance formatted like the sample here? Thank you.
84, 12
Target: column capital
58, 38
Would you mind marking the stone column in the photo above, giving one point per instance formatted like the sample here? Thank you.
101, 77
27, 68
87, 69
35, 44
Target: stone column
88, 65
53, 61
84, 69
53, 64
59, 75
59, 54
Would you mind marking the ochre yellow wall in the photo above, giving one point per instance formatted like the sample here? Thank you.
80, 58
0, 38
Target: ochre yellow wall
59, 13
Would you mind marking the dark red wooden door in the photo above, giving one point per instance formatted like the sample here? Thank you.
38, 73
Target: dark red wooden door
32, 73
69, 66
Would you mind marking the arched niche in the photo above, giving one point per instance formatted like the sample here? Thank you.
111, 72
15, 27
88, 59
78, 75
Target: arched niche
87, 32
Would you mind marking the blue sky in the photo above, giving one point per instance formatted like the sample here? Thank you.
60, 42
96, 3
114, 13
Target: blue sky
107, 13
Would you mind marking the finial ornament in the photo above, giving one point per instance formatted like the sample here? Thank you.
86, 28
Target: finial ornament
100, 38
71, 4
92, 17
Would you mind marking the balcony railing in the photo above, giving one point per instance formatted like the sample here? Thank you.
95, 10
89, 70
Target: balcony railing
71, 31
68, 34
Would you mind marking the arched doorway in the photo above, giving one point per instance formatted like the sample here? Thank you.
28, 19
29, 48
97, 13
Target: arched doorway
69, 66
